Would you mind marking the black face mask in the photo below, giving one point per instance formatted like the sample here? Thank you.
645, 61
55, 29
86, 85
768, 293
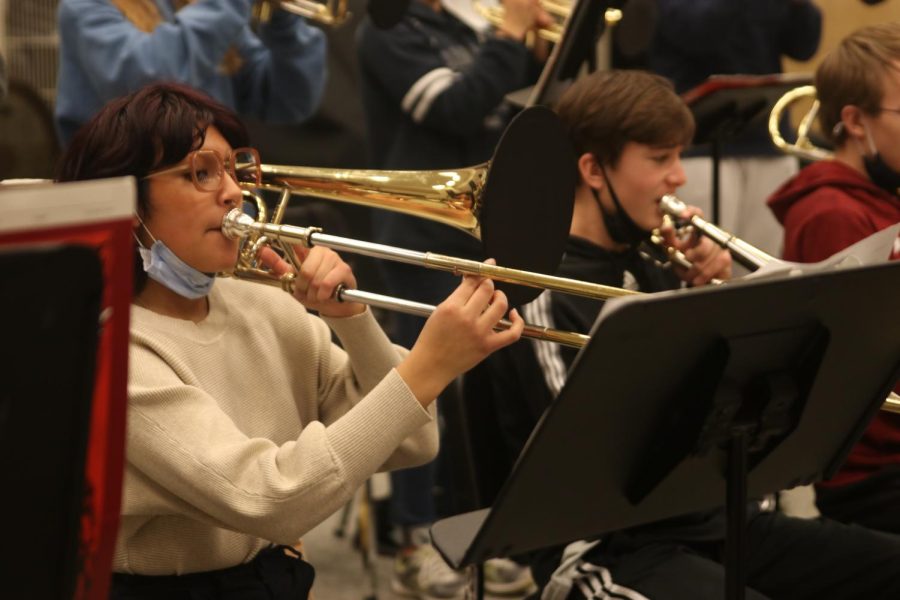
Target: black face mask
881, 174
621, 228
878, 171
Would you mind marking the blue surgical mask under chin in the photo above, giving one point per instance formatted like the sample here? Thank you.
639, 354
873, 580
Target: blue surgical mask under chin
165, 268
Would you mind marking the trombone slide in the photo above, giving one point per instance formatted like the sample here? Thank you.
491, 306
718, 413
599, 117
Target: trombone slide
238, 225
546, 334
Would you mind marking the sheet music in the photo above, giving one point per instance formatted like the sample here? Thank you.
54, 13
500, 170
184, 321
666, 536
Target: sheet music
876, 248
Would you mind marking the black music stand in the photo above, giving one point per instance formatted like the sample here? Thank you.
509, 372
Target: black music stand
51, 300
726, 106
748, 401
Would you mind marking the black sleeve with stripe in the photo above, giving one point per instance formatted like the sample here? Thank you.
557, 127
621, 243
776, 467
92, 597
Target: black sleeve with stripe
413, 75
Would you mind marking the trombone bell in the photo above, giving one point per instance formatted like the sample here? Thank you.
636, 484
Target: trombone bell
519, 204
449, 197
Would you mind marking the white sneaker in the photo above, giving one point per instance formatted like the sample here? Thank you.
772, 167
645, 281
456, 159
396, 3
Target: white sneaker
422, 573
504, 577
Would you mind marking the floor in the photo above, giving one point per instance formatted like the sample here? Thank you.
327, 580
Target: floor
340, 574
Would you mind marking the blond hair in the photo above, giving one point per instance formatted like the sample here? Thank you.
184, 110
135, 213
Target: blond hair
852, 74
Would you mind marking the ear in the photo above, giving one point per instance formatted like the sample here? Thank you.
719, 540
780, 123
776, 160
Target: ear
590, 172
851, 117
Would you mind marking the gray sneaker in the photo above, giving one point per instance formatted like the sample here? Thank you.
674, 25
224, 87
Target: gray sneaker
503, 577
422, 573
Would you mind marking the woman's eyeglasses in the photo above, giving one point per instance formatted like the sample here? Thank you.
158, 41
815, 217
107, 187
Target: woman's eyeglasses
207, 168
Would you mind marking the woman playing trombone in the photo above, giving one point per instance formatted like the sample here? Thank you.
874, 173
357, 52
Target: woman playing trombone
247, 426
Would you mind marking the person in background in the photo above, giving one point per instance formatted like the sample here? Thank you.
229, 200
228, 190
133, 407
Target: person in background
111, 47
228, 466
695, 40
434, 90
832, 204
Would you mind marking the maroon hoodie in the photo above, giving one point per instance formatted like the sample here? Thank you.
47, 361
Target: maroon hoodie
825, 208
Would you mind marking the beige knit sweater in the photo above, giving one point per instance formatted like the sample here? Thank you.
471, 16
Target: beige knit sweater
252, 427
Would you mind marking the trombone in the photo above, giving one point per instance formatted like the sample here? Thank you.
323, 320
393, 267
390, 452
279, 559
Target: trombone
238, 225
258, 233
457, 198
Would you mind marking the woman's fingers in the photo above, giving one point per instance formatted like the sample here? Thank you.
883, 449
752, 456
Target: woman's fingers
272, 261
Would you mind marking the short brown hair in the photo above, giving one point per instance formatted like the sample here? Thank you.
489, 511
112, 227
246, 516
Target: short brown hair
152, 128
852, 74
605, 110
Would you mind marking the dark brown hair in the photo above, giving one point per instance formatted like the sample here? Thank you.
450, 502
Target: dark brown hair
605, 110
852, 74
150, 129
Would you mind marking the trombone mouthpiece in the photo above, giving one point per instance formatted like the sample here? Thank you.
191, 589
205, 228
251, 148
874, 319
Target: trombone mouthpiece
236, 224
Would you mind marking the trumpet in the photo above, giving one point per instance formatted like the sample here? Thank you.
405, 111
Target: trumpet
802, 147
558, 10
331, 12
748, 255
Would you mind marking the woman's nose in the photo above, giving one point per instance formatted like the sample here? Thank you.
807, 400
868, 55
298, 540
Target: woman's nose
230, 194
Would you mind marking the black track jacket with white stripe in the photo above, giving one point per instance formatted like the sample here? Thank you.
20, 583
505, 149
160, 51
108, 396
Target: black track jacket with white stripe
433, 90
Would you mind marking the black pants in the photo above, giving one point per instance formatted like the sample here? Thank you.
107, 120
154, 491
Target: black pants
277, 573
788, 558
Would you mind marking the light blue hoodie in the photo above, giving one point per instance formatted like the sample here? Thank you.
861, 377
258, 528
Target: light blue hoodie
103, 56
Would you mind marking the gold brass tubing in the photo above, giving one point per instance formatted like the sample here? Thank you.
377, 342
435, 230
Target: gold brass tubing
544, 334
802, 148
892, 403
280, 208
528, 278
558, 9
451, 197
236, 224
675, 255
261, 213
334, 13
564, 338
285, 282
